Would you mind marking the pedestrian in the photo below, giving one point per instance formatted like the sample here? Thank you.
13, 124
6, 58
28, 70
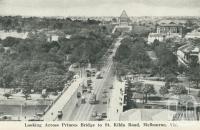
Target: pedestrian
52, 113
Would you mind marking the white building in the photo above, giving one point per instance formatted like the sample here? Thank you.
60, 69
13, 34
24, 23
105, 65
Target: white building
165, 31
52, 38
193, 35
123, 23
155, 36
186, 52
68, 36
5, 34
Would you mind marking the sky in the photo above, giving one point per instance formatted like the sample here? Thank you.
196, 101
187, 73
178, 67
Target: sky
100, 7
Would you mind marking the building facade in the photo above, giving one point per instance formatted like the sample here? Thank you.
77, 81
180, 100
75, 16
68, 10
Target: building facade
193, 35
169, 29
123, 24
155, 36
187, 53
165, 31
124, 19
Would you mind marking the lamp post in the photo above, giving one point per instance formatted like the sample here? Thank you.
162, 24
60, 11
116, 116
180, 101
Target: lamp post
189, 88
20, 116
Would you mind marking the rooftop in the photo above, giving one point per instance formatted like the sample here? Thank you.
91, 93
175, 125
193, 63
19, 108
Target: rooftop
190, 47
13, 33
124, 14
169, 24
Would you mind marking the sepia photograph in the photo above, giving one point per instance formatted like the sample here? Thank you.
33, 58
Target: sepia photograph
99, 60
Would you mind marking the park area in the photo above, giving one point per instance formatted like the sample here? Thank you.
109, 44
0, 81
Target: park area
17, 105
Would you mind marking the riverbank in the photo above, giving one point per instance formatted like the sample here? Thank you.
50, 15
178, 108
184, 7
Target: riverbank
19, 99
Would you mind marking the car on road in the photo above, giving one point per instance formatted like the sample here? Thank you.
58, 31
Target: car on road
93, 72
105, 101
60, 114
99, 75
84, 89
104, 115
99, 117
83, 101
104, 90
6, 118
88, 74
40, 114
92, 99
78, 94
89, 82
104, 95
89, 90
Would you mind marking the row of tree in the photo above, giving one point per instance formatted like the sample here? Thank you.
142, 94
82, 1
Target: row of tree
36, 64
35, 23
167, 60
131, 56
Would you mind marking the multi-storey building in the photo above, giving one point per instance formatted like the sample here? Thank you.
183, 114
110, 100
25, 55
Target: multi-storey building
123, 24
169, 29
165, 31
188, 53
124, 20
193, 35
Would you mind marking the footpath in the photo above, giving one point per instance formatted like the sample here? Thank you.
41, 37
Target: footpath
51, 114
115, 107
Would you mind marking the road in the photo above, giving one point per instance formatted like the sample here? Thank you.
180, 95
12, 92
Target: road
116, 100
83, 112
51, 114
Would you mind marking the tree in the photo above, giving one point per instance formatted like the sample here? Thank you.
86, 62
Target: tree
194, 75
26, 96
155, 43
178, 90
167, 85
198, 95
167, 60
26, 84
138, 87
6, 73
2, 50
163, 90
171, 78
129, 95
147, 90
35, 62
44, 96
132, 55
7, 95
182, 69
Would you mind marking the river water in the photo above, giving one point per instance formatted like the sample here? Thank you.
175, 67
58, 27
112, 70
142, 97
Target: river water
16, 110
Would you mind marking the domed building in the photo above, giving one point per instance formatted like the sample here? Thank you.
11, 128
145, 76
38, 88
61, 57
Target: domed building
124, 19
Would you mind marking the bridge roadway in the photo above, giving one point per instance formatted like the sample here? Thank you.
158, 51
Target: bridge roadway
51, 114
83, 112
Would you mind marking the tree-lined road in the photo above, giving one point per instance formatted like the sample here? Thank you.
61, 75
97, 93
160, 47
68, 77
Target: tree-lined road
83, 112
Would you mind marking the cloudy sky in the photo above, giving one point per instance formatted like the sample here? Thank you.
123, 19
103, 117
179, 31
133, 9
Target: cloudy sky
100, 7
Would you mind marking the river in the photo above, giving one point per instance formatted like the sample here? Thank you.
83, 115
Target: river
25, 111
